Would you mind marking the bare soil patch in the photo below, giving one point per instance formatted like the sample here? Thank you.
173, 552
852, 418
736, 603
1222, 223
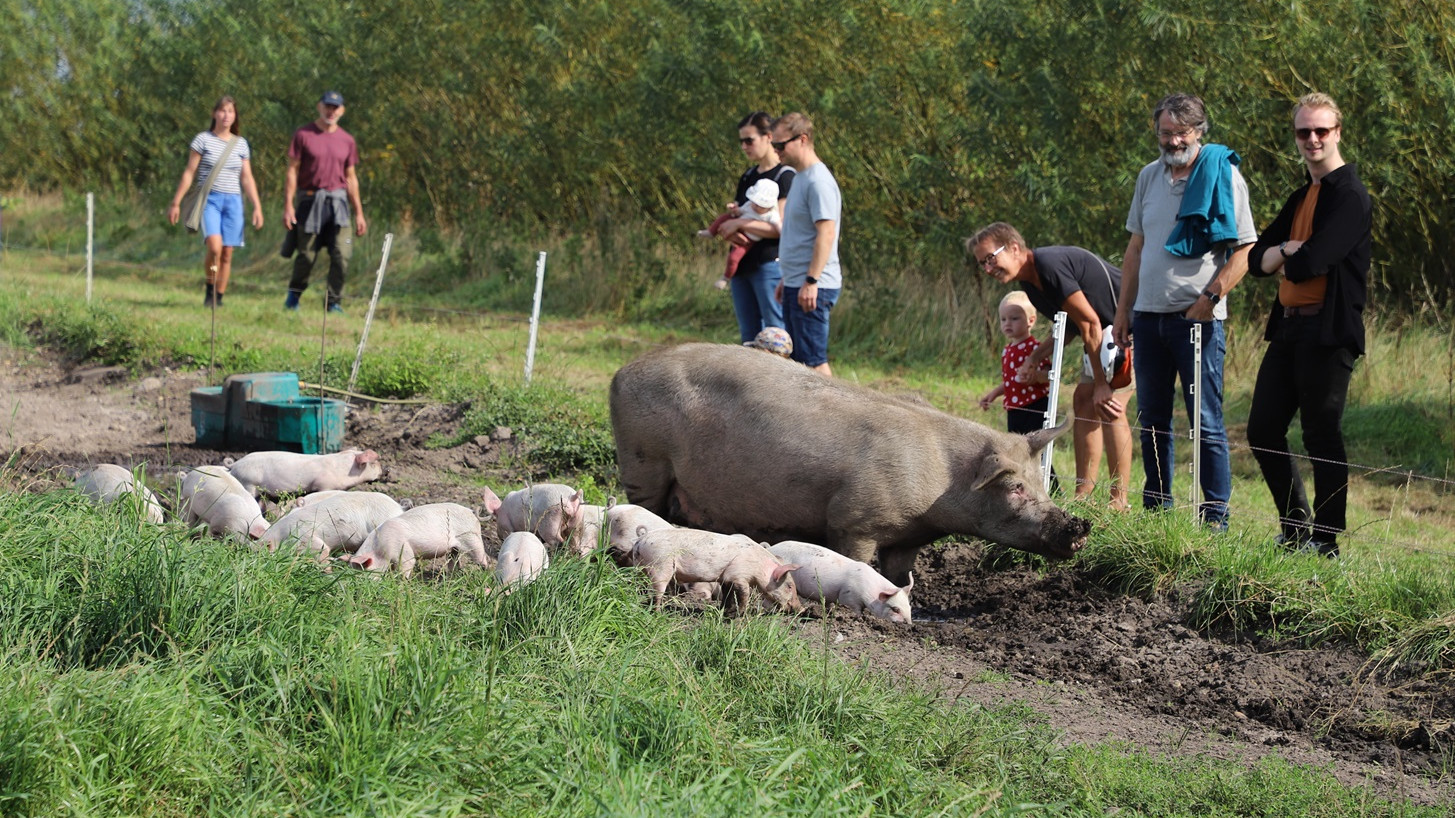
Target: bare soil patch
1096, 666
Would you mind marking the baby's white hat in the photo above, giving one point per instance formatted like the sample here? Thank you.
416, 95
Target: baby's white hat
763, 193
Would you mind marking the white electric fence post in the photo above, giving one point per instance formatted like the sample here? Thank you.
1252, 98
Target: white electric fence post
90, 240
535, 316
369, 316
1196, 420
1058, 339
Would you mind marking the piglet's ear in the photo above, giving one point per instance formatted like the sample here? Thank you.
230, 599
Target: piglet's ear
779, 571
910, 586
366, 457
492, 501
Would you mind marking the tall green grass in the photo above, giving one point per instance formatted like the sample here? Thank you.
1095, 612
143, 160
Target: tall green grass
145, 673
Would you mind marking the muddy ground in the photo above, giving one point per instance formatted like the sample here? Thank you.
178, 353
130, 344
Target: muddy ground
1096, 666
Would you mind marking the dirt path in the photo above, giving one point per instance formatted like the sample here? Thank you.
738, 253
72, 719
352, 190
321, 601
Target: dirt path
1097, 667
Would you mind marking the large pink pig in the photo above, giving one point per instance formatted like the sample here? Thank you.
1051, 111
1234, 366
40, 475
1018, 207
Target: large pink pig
687, 556
828, 576
290, 472
213, 496
338, 523
546, 509
423, 532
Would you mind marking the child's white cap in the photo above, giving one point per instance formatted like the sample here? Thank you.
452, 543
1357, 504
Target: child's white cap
763, 193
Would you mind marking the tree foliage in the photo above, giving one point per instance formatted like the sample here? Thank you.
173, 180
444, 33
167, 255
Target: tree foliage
937, 116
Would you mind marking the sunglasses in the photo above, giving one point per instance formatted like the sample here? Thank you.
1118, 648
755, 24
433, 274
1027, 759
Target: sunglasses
779, 146
1305, 133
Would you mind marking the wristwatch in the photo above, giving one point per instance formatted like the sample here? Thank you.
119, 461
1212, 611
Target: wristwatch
1212, 296
1283, 249
810, 280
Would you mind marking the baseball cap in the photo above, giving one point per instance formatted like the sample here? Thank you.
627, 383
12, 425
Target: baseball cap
763, 193
332, 98
774, 340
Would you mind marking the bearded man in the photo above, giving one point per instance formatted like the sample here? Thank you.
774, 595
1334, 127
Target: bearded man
1191, 229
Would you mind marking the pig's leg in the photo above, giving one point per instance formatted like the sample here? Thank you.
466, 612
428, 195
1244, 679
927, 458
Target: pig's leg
474, 547
735, 595
895, 562
660, 575
648, 484
406, 561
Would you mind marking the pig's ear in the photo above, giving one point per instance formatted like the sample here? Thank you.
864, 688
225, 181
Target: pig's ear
988, 471
910, 586
781, 570
366, 457
492, 501
1041, 437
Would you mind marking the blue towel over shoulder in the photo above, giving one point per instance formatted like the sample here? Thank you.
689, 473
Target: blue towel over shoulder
1206, 217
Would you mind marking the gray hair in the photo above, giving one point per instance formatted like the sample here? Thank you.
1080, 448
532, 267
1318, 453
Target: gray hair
1183, 109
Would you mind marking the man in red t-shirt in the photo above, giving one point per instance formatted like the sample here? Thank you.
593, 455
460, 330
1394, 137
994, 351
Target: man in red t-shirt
321, 199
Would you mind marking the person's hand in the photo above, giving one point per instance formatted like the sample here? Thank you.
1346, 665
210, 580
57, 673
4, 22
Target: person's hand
360, 225
1026, 372
174, 212
257, 218
732, 207
728, 229
289, 219
1201, 310
778, 293
1291, 246
985, 403
808, 297
1107, 404
1121, 329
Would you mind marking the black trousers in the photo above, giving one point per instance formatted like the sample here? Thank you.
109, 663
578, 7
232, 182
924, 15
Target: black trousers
1300, 376
338, 240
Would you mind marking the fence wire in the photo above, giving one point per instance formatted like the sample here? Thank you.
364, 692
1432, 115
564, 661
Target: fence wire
1409, 476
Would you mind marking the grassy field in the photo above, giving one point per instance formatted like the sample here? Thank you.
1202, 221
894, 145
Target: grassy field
149, 674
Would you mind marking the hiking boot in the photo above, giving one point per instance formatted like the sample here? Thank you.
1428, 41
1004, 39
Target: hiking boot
291, 302
336, 307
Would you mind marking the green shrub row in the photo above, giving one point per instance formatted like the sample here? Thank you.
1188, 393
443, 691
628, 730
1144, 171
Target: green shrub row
937, 116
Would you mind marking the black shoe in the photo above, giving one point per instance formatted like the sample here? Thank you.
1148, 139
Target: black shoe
218, 298
211, 299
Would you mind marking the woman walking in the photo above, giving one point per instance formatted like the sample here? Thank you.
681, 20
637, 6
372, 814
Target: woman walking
222, 213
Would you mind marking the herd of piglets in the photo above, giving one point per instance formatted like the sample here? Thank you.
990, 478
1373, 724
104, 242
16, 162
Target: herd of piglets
324, 519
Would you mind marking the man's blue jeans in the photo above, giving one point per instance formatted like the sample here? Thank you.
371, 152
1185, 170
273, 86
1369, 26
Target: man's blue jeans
1164, 355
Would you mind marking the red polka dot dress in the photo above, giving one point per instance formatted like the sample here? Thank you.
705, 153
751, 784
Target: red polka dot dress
1017, 394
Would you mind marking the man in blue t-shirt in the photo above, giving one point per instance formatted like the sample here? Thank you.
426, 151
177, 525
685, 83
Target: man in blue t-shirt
808, 250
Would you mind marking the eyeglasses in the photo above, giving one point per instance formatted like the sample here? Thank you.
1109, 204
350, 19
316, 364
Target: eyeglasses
986, 262
748, 140
1185, 133
779, 146
1305, 133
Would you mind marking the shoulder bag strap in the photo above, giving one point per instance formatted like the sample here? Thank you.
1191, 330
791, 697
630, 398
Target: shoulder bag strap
217, 168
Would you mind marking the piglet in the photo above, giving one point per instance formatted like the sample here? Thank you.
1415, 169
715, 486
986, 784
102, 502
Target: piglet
545, 509
522, 558
828, 576
585, 533
304, 499
423, 532
289, 472
106, 483
625, 524
685, 556
213, 496
338, 523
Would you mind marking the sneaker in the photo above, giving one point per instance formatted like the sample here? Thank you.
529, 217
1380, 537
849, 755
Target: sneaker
291, 302
1308, 545
338, 308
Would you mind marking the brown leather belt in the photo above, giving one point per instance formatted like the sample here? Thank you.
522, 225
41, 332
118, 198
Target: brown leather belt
1295, 312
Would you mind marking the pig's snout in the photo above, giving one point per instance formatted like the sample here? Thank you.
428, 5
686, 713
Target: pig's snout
1062, 538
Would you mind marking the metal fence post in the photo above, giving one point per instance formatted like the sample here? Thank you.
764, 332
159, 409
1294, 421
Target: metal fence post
535, 316
1058, 339
1196, 337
